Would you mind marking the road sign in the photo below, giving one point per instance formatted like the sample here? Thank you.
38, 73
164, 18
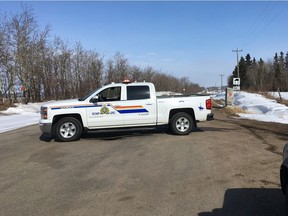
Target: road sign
229, 97
236, 81
236, 88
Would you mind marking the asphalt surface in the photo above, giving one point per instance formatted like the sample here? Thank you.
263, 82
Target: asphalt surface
226, 167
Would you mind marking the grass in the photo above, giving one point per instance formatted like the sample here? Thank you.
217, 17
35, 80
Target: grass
229, 110
233, 110
5, 106
269, 96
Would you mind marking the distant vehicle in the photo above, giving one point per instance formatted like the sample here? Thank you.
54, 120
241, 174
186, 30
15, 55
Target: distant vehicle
284, 175
123, 105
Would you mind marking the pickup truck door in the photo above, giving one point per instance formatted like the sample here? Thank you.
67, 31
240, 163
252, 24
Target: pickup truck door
103, 113
138, 108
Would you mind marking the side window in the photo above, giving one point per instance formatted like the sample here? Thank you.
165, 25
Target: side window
138, 92
110, 94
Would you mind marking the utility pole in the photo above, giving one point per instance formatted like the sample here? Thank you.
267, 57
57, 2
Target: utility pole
237, 51
221, 75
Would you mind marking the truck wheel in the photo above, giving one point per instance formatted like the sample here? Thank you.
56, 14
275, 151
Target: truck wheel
68, 129
181, 123
286, 199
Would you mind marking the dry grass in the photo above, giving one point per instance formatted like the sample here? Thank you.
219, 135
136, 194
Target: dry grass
5, 105
218, 103
233, 110
269, 96
229, 110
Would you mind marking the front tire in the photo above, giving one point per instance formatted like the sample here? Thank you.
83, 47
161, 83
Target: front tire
68, 129
181, 123
286, 199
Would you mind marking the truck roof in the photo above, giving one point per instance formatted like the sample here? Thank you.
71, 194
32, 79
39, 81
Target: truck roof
130, 83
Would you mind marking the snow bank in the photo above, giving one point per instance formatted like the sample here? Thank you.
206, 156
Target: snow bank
20, 116
260, 108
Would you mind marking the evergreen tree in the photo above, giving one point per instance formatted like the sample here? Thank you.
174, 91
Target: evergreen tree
242, 72
286, 63
277, 73
244, 76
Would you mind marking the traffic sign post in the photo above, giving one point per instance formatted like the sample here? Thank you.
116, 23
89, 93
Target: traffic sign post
229, 97
236, 84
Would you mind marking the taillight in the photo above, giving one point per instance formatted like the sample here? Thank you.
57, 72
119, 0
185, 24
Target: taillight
208, 104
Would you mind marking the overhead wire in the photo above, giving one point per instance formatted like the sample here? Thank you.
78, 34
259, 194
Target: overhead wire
269, 21
260, 23
254, 25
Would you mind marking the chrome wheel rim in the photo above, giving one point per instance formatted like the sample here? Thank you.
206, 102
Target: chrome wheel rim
68, 130
182, 124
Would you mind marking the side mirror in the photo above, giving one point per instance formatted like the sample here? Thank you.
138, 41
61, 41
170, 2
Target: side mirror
94, 99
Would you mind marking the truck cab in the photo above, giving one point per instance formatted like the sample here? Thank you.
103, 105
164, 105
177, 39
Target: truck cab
122, 105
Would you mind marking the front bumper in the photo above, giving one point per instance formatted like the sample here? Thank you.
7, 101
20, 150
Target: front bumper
46, 128
210, 116
284, 170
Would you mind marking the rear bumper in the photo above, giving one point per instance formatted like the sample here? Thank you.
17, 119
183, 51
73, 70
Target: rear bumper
210, 117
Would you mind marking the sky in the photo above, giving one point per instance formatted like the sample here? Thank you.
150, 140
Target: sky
256, 106
191, 39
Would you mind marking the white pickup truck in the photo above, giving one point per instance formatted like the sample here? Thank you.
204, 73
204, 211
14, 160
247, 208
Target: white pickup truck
123, 105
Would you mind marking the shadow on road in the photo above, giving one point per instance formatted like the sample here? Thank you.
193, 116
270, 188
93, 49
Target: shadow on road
121, 133
116, 134
45, 138
250, 202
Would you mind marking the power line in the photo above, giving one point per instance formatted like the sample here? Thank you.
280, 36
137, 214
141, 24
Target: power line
260, 18
266, 17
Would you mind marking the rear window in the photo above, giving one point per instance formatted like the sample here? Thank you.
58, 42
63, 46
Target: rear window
138, 92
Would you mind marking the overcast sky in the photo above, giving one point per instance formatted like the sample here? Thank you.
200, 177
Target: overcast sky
188, 38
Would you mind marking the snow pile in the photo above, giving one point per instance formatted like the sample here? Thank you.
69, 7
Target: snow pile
20, 116
23, 109
219, 95
284, 95
260, 108
164, 93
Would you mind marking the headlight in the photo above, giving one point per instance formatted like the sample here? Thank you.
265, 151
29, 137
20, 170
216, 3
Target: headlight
44, 113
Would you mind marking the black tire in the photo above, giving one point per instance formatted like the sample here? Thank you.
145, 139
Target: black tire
68, 129
286, 199
181, 123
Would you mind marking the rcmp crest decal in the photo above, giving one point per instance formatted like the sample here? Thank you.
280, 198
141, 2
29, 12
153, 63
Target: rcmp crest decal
104, 109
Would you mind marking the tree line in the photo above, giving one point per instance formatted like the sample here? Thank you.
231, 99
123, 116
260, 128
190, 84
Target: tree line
258, 75
36, 68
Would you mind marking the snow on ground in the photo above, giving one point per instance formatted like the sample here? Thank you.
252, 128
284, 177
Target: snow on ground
257, 107
20, 116
164, 93
260, 108
284, 95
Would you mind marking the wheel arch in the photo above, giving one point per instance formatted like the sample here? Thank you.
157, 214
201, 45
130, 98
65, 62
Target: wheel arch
56, 119
189, 111
284, 176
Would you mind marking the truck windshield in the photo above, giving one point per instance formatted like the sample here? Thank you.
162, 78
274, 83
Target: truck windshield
88, 95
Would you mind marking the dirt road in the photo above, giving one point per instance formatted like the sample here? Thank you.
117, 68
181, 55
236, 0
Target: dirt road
227, 167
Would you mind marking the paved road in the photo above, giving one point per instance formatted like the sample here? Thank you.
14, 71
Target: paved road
229, 167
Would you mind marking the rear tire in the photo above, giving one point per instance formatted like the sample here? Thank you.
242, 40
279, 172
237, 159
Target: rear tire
68, 129
181, 123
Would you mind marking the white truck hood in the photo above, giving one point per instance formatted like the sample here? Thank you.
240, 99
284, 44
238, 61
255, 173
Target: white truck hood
70, 102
